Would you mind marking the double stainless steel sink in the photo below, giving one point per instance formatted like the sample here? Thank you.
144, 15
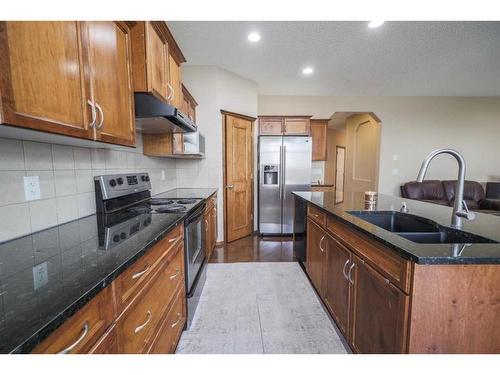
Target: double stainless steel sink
418, 229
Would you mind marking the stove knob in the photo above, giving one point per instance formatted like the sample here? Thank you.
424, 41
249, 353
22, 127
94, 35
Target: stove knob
112, 182
143, 178
119, 180
116, 238
123, 235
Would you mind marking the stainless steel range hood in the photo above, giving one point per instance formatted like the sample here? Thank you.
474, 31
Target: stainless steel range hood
152, 116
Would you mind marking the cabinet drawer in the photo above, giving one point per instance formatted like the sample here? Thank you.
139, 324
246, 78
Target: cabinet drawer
107, 344
171, 329
316, 214
79, 333
383, 259
136, 327
129, 282
270, 126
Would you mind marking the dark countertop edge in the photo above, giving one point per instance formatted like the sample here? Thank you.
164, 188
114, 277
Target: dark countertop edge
37, 337
431, 260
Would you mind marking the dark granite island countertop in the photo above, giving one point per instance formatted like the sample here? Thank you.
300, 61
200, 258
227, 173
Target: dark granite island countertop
477, 253
48, 276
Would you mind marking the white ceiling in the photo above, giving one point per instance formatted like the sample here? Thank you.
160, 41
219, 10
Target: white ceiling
349, 59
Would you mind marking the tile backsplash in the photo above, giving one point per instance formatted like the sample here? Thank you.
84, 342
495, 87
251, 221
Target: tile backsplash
318, 172
66, 181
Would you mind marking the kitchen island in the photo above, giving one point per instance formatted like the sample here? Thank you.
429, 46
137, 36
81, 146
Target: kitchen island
389, 294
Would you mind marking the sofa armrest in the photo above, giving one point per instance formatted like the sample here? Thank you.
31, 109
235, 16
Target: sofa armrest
490, 204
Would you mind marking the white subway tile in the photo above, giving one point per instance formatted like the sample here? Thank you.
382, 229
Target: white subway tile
38, 156
86, 204
67, 208
14, 221
84, 181
63, 157
11, 155
43, 214
65, 182
98, 157
83, 159
47, 183
11, 187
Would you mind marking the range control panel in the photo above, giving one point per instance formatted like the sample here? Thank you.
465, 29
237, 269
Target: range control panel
118, 185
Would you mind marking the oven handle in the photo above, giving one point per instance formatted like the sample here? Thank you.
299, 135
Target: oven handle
195, 216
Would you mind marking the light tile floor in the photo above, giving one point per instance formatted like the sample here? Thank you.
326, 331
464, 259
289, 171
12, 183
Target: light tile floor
259, 308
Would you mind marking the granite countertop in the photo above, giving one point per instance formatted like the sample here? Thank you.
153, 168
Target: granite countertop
477, 253
47, 276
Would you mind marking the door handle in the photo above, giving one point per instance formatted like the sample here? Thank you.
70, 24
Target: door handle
229, 186
320, 244
99, 126
94, 114
344, 270
78, 340
349, 275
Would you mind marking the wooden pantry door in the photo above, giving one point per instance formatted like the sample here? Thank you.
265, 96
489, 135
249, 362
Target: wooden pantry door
238, 176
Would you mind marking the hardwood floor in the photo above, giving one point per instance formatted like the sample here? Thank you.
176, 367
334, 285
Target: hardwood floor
255, 248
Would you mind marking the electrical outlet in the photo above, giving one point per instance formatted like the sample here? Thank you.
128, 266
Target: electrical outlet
395, 172
32, 188
40, 275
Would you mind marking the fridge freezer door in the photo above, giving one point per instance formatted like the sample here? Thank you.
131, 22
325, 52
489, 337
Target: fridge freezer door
297, 164
269, 194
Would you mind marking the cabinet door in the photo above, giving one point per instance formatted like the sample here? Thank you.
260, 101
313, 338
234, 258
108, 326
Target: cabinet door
43, 79
379, 312
338, 260
214, 227
107, 344
296, 126
157, 61
318, 134
111, 81
175, 83
271, 126
316, 242
178, 143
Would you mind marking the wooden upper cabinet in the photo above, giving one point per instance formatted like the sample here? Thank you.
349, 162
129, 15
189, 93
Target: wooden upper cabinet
150, 63
188, 104
44, 82
270, 125
175, 85
110, 57
319, 133
296, 126
379, 312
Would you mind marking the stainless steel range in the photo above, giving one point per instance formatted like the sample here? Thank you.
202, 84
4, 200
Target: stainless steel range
125, 207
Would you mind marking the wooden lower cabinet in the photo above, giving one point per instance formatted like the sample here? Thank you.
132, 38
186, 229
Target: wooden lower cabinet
133, 314
379, 312
211, 225
336, 296
316, 242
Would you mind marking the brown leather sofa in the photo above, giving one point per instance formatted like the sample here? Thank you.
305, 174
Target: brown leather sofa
443, 193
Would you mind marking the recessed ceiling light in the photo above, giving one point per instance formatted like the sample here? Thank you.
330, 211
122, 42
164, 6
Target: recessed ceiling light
307, 71
254, 37
375, 24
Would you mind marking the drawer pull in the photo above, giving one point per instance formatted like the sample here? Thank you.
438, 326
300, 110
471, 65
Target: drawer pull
139, 274
350, 271
320, 244
177, 272
78, 340
315, 215
177, 321
344, 270
174, 239
141, 327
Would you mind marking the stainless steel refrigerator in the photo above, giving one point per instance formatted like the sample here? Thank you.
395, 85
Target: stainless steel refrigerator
284, 166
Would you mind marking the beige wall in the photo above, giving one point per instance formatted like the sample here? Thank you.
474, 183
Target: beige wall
411, 128
214, 89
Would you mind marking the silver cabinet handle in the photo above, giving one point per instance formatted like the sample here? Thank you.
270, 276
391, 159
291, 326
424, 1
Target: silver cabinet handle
139, 274
148, 319
174, 239
102, 116
171, 94
177, 272
206, 225
229, 186
344, 271
320, 246
94, 114
78, 340
349, 275
176, 321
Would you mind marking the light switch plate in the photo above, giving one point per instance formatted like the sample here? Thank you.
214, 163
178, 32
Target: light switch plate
32, 188
40, 275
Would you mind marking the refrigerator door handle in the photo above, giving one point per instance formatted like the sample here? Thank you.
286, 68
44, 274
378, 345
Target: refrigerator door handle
280, 182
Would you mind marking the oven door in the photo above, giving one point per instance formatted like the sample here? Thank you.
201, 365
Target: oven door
194, 245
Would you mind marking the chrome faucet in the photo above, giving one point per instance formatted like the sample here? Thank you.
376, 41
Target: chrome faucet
460, 209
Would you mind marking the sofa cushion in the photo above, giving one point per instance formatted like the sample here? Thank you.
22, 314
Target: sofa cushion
473, 193
428, 190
